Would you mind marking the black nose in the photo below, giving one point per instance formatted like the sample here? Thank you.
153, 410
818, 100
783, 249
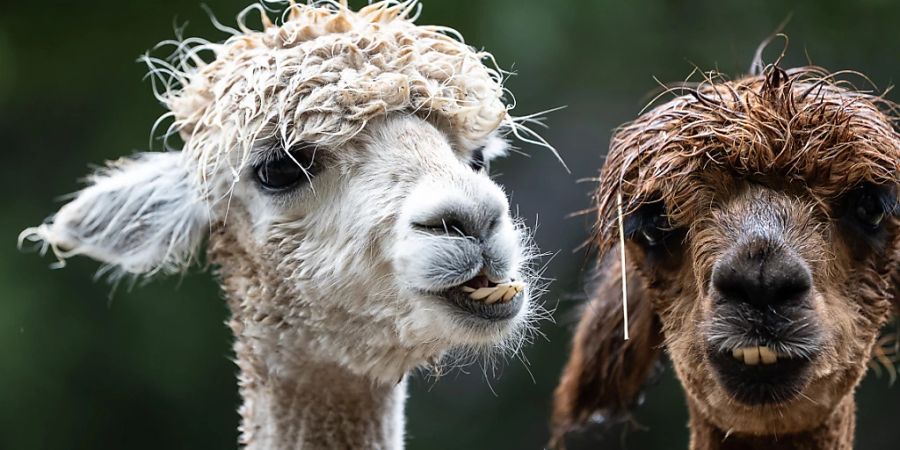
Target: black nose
762, 275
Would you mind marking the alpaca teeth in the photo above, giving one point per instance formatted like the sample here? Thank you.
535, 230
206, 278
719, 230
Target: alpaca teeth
502, 292
515, 288
767, 355
498, 293
481, 293
752, 356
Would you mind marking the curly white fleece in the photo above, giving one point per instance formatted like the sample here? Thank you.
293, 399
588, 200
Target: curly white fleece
321, 75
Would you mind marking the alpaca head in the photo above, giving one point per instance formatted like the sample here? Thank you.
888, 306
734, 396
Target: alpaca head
337, 163
761, 227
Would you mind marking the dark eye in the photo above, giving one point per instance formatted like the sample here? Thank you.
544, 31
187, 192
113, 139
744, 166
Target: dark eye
649, 225
870, 205
477, 162
655, 230
283, 171
869, 212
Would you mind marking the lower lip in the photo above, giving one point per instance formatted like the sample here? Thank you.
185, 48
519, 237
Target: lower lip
760, 384
496, 312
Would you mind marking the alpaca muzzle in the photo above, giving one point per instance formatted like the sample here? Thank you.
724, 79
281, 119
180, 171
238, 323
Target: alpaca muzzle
460, 244
763, 336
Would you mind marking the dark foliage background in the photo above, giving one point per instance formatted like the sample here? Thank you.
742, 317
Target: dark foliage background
150, 367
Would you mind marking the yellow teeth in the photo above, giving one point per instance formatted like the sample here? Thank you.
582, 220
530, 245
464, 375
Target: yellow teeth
502, 292
496, 295
481, 293
753, 355
767, 355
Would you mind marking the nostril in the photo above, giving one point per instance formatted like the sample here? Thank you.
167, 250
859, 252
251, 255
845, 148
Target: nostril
443, 226
792, 288
479, 220
730, 285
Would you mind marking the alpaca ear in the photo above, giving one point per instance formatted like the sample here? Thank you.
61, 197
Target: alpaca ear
605, 373
139, 215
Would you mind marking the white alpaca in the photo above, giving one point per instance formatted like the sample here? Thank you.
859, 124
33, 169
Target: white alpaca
335, 162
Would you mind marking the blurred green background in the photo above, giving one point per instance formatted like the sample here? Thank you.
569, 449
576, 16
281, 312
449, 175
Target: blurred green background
149, 367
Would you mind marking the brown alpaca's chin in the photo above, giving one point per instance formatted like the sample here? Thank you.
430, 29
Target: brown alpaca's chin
760, 383
812, 402
763, 356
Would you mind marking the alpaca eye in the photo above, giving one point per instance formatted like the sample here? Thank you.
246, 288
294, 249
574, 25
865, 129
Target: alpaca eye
870, 213
284, 171
653, 236
870, 206
649, 225
477, 162
654, 230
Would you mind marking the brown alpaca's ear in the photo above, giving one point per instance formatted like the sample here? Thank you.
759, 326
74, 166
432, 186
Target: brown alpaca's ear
605, 372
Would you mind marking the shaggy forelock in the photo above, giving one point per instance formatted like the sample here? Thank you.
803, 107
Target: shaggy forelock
319, 75
804, 126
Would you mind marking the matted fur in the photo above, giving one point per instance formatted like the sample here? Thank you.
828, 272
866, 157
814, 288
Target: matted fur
789, 141
803, 125
605, 374
335, 70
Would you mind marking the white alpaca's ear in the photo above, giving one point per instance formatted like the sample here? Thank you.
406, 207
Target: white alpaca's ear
140, 215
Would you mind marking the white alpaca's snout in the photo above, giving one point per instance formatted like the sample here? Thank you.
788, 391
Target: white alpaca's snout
460, 253
453, 230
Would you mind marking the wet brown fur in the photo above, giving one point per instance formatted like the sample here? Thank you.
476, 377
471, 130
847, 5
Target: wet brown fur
792, 141
604, 372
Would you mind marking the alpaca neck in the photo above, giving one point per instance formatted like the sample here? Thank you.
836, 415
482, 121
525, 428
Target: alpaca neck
835, 434
292, 399
316, 406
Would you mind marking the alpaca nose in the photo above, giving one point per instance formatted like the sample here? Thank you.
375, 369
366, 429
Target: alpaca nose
762, 275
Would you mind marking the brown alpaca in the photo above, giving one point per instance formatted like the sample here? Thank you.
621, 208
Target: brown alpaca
762, 247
